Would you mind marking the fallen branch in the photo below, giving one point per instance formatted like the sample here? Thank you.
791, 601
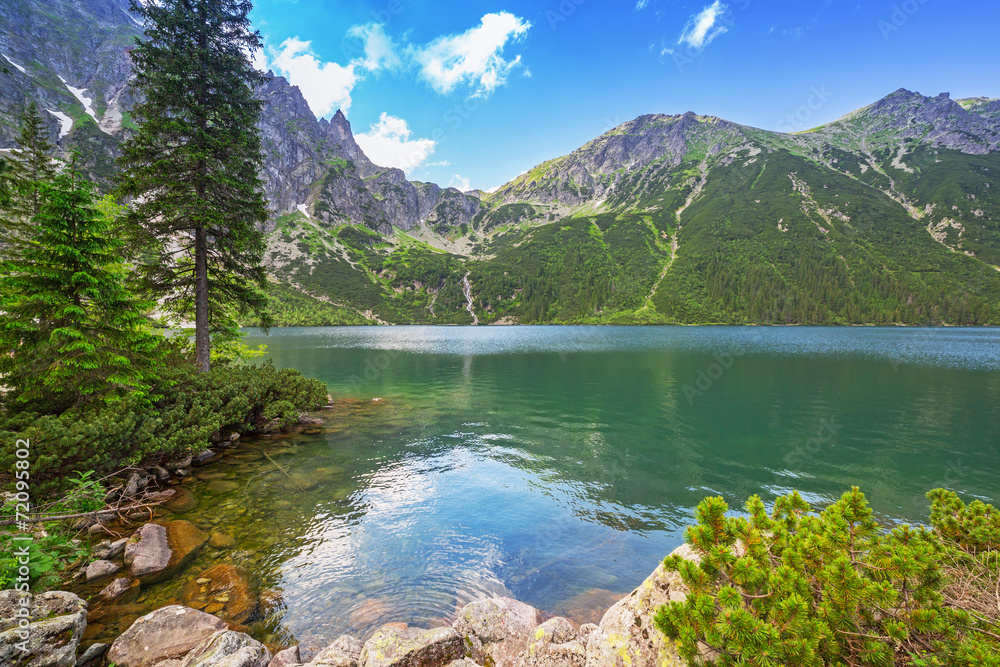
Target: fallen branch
46, 518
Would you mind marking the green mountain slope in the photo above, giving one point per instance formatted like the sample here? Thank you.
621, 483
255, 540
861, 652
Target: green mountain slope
890, 215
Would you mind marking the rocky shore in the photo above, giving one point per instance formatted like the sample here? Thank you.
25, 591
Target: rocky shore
493, 632
204, 628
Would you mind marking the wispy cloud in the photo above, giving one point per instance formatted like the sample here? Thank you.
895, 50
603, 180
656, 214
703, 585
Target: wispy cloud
702, 28
641, 4
327, 86
387, 143
460, 182
474, 58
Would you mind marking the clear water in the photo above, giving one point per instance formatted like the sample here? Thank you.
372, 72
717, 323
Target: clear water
558, 465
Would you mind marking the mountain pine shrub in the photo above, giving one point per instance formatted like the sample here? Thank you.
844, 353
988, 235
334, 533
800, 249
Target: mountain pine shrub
793, 587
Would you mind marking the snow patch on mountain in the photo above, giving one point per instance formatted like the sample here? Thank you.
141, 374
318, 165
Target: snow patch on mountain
66, 121
88, 104
7, 58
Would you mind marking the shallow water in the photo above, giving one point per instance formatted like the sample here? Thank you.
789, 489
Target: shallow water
558, 465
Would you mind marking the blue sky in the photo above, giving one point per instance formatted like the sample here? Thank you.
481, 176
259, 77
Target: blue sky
474, 93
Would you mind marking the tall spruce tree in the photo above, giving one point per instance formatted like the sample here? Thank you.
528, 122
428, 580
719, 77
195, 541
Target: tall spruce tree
193, 167
26, 170
73, 329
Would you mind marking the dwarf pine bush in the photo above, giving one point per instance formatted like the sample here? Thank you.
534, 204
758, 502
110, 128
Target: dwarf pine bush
795, 587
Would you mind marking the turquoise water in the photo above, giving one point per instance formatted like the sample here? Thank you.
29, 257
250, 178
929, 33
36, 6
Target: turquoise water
546, 462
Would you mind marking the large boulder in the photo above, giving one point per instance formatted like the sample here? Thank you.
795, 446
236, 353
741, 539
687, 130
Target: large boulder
221, 590
555, 643
158, 550
227, 648
626, 635
392, 646
344, 652
40, 630
497, 629
168, 633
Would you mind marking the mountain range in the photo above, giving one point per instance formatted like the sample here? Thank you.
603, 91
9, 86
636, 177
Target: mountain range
889, 215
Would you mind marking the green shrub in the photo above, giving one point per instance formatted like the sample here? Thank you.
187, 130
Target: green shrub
283, 411
974, 527
193, 407
792, 587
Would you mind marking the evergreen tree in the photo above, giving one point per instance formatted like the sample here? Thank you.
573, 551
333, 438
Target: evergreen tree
72, 329
193, 166
24, 173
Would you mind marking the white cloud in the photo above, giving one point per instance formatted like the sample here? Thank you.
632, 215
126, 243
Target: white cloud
327, 86
641, 4
703, 28
493, 189
473, 58
460, 182
442, 163
387, 143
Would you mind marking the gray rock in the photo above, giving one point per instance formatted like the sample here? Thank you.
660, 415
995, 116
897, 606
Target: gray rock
160, 473
228, 648
286, 658
100, 569
412, 647
51, 633
156, 551
148, 552
107, 549
201, 458
627, 635
555, 643
497, 629
169, 633
344, 652
464, 662
93, 652
177, 464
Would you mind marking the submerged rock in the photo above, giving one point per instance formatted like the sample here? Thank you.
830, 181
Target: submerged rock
182, 502
93, 652
56, 623
412, 647
157, 550
223, 591
165, 634
588, 606
221, 541
497, 629
227, 648
120, 591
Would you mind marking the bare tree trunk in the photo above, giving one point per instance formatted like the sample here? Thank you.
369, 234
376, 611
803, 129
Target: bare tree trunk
202, 338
